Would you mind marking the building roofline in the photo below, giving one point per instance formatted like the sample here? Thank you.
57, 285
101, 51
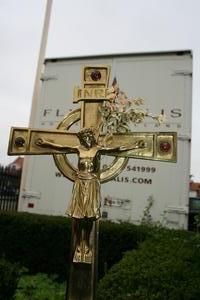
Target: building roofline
114, 55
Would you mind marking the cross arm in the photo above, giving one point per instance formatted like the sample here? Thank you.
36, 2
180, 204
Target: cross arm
161, 146
27, 141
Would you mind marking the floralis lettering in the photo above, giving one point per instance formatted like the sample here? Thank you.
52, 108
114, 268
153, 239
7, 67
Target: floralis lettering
122, 179
49, 112
99, 93
173, 113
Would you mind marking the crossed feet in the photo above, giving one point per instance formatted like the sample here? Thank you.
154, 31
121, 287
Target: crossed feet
82, 254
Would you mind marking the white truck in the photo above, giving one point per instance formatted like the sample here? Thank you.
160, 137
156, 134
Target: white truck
164, 81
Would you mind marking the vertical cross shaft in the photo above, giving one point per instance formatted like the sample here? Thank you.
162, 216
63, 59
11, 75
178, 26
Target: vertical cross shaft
83, 277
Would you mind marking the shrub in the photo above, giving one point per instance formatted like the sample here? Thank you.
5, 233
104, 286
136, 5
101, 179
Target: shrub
166, 267
42, 243
39, 287
116, 239
9, 277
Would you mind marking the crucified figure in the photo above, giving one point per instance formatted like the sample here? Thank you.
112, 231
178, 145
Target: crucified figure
84, 206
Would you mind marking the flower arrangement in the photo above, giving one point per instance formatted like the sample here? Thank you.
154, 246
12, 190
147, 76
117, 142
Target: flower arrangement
120, 111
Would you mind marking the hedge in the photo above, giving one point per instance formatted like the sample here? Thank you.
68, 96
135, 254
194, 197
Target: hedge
42, 243
115, 239
9, 278
165, 267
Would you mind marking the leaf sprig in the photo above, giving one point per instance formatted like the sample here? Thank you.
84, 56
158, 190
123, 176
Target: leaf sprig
120, 111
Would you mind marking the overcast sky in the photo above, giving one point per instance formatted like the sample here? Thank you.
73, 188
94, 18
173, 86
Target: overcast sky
90, 27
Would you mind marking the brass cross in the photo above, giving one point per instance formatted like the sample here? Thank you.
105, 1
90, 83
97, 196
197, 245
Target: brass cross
89, 144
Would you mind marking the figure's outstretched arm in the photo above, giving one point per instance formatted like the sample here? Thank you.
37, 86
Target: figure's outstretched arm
137, 145
48, 143
141, 144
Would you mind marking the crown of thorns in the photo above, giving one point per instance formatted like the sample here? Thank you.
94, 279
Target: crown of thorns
87, 133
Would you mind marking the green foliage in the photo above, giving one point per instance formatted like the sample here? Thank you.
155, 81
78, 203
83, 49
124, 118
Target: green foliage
115, 239
9, 277
39, 287
165, 267
40, 243
165, 264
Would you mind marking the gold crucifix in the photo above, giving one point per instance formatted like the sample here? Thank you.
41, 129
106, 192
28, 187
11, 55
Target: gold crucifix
89, 143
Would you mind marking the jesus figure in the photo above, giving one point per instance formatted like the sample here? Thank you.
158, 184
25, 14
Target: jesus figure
84, 206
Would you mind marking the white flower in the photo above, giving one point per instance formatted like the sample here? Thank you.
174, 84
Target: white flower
161, 118
120, 111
